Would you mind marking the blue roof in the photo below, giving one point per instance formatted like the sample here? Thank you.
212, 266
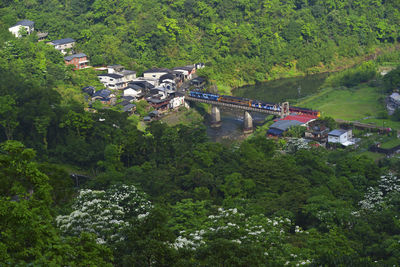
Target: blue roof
71, 57
63, 41
274, 131
25, 22
103, 93
337, 132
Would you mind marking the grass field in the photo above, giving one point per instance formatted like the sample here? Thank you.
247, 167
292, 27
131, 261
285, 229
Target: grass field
391, 144
185, 117
358, 104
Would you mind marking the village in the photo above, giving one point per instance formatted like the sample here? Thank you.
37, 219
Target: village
164, 90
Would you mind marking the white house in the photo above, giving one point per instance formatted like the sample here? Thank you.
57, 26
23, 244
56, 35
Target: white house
25, 24
63, 44
340, 136
129, 75
155, 73
177, 101
187, 71
133, 91
112, 81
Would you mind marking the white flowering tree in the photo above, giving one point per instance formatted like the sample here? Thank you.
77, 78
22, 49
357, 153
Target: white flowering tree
377, 197
229, 233
105, 213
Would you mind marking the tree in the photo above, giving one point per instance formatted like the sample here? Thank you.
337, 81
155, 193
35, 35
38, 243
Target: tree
8, 115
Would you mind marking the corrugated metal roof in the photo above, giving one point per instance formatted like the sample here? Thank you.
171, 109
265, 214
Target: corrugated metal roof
337, 132
283, 125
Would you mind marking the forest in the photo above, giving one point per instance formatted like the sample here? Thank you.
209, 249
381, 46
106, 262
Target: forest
263, 39
85, 188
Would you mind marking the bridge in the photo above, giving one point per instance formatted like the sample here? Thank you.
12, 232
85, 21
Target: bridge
248, 120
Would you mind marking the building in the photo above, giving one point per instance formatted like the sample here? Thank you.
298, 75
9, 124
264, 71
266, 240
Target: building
112, 80
155, 73
317, 132
281, 126
133, 91
79, 61
177, 101
63, 45
187, 71
42, 36
24, 25
340, 136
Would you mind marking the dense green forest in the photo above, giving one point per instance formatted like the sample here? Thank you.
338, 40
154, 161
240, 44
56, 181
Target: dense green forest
242, 41
167, 196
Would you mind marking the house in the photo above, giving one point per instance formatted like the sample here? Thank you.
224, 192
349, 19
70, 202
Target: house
187, 71
42, 36
63, 45
155, 73
79, 61
154, 114
199, 65
198, 81
177, 101
90, 90
129, 98
129, 75
317, 132
128, 108
281, 126
146, 85
112, 80
104, 96
24, 25
340, 136
133, 91
393, 102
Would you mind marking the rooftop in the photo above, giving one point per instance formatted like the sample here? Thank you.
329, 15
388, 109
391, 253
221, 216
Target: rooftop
337, 132
111, 75
71, 57
154, 70
300, 118
24, 22
62, 41
283, 125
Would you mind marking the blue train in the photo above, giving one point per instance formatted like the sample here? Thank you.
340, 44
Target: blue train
250, 103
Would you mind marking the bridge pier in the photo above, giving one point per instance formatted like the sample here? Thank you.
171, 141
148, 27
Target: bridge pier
215, 116
248, 123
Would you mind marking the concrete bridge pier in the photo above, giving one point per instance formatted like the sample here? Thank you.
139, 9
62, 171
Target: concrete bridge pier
248, 123
215, 116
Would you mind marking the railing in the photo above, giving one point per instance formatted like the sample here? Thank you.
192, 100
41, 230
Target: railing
223, 104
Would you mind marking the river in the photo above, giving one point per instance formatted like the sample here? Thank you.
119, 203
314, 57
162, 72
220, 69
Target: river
273, 91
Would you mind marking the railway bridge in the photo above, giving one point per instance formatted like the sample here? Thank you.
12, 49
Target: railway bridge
248, 120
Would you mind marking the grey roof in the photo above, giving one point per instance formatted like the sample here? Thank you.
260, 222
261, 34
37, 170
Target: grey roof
128, 107
25, 22
127, 72
71, 57
62, 41
337, 132
111, 75
157, 70
188, 68
283, 125
134, 87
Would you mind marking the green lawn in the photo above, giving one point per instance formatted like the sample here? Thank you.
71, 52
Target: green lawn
391, 143
354, 104
373, 156
359, 104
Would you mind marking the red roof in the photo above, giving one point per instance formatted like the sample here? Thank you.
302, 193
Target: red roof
300, 118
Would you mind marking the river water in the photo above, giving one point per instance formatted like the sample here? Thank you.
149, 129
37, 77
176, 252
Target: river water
273, 91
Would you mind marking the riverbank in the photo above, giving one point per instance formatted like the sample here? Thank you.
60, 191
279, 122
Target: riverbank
290, 70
